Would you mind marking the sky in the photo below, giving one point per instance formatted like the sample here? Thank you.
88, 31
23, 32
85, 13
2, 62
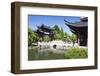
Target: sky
36, 20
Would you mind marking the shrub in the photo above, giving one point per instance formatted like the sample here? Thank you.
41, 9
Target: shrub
75, 53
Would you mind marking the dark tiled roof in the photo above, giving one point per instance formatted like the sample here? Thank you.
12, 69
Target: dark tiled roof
83, 23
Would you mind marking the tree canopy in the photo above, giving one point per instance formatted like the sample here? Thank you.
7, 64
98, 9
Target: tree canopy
73, 38
59, 34
32, 36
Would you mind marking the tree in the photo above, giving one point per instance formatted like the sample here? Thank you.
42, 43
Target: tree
46, 38
65, 37
68, 38
56, 28
32, 36
58, 32
73, 38
62, 33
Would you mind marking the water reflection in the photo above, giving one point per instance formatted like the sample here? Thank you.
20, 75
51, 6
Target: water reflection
45, 54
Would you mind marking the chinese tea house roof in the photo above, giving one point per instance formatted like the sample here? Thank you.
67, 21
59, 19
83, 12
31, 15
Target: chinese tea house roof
80, 26
44, 30
80, 29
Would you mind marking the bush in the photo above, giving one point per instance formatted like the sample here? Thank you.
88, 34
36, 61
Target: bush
75, 53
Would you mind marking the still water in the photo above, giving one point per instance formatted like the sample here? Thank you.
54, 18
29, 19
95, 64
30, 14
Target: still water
45, 54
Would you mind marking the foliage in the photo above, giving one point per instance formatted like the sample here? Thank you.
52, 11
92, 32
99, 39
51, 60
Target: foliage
62, 33
68, 38
46, 38
32, 36
74, 53
59, 33
65, 37
56, 31
73, 38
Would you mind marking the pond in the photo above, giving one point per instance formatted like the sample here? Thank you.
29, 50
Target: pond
45, 54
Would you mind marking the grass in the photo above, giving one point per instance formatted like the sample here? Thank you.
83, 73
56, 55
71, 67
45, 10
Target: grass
76, 53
